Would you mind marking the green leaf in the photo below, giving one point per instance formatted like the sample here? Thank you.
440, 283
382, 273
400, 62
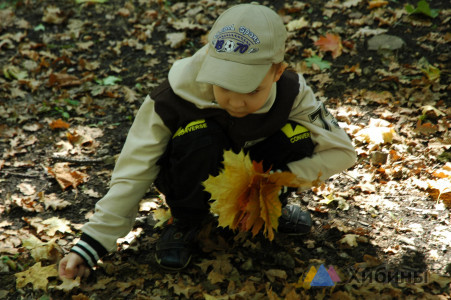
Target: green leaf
322, 64
13, 72
40, 27
409, 8
422, 8
110, 80
431, 72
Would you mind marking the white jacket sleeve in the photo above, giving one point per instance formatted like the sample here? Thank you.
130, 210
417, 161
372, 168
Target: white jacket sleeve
133, 174
333, 151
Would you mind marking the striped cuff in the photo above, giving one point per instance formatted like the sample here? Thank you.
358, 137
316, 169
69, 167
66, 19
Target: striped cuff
89, 249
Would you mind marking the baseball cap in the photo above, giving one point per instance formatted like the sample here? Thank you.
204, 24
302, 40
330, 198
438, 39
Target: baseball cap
244, 42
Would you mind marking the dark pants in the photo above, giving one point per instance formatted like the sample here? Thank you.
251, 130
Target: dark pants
196, 151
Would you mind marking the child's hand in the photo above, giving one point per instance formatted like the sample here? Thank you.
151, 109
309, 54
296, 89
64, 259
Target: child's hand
72, 266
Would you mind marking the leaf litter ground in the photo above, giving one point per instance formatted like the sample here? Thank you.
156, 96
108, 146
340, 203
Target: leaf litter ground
73, 76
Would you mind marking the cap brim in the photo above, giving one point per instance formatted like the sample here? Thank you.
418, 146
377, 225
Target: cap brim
231, 75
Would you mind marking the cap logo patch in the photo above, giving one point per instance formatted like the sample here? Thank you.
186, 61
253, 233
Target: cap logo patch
229, 40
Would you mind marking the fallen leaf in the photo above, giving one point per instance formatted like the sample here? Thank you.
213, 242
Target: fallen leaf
55, 224
378, 132
332, 43
53, 15
425, 128
297, 24
350, 239
272, 274
42, 251
63, 80
67, 177
176, 39
27, 189
376, 3
161, 215
68, 284
54, 202
37, 276
148, 204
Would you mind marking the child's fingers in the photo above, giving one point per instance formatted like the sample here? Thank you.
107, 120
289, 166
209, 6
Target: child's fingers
65, 270
83, 272
71, 266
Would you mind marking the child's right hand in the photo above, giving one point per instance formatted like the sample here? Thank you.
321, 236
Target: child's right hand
73, 266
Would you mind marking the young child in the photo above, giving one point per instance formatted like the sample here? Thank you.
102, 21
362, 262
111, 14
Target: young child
234, 93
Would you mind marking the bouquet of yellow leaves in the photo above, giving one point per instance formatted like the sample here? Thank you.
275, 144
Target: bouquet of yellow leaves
247, 197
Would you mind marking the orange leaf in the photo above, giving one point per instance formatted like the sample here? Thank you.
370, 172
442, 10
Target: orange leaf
246, 197
376, 3
57, 124
330, 42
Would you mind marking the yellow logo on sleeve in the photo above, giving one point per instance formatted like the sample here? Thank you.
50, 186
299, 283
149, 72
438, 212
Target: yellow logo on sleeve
295, 134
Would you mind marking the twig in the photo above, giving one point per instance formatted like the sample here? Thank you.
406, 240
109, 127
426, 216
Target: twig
79, 160
347, 174
9, 173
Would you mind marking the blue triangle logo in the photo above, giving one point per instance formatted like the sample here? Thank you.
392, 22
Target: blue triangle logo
322, 278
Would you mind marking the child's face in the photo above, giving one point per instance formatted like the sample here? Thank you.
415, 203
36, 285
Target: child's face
240, 105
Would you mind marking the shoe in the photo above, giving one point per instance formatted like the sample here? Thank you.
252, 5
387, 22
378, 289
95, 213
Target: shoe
294, 220
176, 245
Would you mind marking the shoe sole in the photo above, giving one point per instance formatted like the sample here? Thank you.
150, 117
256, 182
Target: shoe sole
167, 268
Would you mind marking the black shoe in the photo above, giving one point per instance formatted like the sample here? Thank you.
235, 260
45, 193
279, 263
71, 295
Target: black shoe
176, 245
294, 220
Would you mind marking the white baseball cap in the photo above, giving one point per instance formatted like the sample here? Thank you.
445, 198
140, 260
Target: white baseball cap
244, 42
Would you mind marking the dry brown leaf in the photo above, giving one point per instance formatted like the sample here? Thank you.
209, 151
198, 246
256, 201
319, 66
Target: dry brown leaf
425, 128
27, 203
273, 274
129, 95
67, 177
215, 277
63, 80
53, 15
54, 202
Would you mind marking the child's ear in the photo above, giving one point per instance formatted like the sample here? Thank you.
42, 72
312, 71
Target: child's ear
280, 68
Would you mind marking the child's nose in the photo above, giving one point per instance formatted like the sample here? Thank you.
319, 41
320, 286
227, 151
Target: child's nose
236, 102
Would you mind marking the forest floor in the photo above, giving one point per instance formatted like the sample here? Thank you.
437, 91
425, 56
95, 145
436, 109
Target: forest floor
74, 73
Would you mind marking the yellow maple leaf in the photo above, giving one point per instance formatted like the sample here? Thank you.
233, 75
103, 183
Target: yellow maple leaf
247, 197
42, 251
37, 276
